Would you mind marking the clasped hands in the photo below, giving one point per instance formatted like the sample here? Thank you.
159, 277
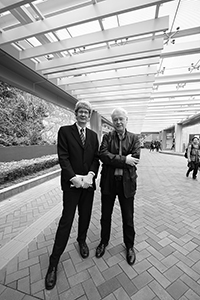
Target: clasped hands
132, 161
83, 181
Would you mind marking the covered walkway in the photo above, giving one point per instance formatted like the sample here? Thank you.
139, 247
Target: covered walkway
167, 210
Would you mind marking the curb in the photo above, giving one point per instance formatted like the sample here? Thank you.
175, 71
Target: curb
23, 186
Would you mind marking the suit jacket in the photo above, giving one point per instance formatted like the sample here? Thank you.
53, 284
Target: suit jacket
74, 158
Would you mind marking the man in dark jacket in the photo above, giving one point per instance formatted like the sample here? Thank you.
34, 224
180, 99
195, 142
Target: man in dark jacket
78, 158
120, 153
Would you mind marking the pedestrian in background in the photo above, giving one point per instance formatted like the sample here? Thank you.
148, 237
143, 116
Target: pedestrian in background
193, 154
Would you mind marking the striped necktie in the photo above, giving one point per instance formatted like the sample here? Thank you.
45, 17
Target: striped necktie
82, 136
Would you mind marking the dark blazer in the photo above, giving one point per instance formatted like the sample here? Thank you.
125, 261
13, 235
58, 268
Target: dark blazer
74, 158
109, 155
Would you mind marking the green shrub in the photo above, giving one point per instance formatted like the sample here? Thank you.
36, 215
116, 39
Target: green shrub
13, 170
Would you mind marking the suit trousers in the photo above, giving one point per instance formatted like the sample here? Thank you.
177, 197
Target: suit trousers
127, 211
83, 198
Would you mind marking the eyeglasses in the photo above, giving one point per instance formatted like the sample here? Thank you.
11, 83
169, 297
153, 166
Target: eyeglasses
81, 112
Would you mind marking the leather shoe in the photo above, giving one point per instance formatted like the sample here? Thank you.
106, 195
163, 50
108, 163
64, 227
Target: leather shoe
84, 250
100, 250
50, 279
130, 256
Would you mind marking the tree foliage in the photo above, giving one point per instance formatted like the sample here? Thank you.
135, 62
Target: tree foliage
21, 117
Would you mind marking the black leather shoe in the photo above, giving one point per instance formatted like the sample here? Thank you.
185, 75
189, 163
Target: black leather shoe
130, 256
50, 279
84, 250
101, 250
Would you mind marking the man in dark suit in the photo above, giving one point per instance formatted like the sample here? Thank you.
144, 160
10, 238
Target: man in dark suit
78, 158
120, 153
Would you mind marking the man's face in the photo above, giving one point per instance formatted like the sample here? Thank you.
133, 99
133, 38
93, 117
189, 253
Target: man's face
82, 116
119, 120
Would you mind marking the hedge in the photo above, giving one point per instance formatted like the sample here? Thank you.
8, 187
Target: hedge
10, 171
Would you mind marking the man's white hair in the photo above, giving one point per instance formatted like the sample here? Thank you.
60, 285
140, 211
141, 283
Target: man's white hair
121, 110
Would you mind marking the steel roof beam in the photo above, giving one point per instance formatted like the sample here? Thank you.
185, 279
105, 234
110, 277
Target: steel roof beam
132, 30
108, 67
110, 75
131, 80
136, 48
84, 14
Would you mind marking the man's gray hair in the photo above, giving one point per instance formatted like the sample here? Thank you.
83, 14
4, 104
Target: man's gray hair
121, 110
83, 104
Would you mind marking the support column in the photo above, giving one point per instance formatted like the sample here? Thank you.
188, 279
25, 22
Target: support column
95, 124
178, 138
163, 138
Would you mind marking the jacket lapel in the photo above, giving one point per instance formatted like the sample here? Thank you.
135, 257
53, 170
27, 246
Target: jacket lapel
76, 134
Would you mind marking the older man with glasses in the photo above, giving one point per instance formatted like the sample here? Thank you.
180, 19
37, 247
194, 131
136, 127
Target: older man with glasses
119, 153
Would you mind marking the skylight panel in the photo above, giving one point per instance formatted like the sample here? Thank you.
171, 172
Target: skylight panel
168, 9
85, 28
62, 34
110, 22
137, 16
51, 37
188, 15
187, 39
34, 42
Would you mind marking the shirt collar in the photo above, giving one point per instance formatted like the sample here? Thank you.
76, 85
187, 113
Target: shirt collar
79, 128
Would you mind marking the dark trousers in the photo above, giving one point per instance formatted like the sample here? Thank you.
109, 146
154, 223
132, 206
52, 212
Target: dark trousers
83, 198
193, 167
127, 211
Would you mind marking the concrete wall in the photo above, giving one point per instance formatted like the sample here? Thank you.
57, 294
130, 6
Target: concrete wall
17, 153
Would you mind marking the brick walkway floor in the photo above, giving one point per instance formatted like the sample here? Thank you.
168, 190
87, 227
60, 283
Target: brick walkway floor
167, 210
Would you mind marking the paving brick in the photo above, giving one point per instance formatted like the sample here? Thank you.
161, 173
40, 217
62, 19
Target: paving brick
78, 278
145, 294
127, 284
127, 269
96, 275
28, 263
177, 289
23, 285
91, 290
196, 267
142, 280
2, 288
189, 271
10, 294
167, 250
113, 260
162, 280
62, 283
142, 266
74, 293
156, 253
17, 275
111, 272
108, 287
170, 260
156, 263
121, 294
157, 289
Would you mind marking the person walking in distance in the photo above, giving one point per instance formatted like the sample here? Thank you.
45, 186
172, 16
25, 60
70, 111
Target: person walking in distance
119, 153
78, 158
193, 154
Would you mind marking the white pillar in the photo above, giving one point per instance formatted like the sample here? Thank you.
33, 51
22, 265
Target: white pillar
178, 138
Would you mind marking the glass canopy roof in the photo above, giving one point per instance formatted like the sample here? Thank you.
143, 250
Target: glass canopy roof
143, 55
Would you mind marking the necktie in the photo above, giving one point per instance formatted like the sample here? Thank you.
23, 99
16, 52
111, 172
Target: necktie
119, 172
82, 136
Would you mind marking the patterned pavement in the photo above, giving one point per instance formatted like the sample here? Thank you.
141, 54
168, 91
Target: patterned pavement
167, 210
